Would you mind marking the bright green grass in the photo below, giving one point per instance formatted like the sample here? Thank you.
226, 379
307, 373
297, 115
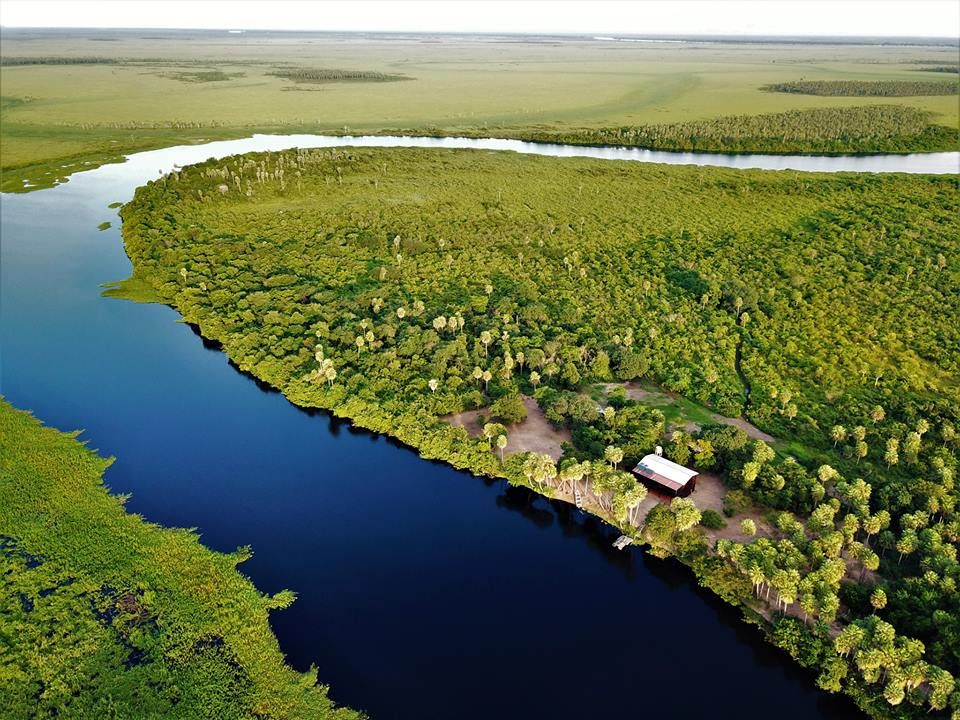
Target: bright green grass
104, 615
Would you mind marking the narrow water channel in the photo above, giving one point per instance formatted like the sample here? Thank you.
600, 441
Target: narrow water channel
424, 592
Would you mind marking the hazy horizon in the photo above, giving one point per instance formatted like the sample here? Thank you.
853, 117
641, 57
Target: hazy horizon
655, 18
600, 35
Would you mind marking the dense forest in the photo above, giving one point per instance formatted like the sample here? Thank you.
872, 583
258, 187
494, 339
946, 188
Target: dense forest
104, 615
867, 88
869, 129
395, 287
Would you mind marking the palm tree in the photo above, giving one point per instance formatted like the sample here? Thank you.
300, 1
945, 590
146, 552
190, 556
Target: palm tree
613, 455
571, 471
838, 433
501, 444
635, 495
486, 338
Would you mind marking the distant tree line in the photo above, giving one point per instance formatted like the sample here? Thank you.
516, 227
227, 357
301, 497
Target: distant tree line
329, 75
866, 88
58, 60
879, 128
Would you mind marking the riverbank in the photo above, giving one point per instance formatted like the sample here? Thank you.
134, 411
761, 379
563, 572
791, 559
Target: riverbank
144, 620
29, 177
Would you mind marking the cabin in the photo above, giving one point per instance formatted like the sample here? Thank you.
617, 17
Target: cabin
658, 473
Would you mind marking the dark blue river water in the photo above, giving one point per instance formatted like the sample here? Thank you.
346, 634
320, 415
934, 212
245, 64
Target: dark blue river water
424, 592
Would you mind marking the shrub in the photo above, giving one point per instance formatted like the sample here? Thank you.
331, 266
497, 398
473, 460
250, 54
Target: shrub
510, 409
713, 520
735, 501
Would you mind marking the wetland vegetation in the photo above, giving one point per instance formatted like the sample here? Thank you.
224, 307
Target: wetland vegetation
331, 75
106, 615
867, 88
876, 128
395, 287
89, 108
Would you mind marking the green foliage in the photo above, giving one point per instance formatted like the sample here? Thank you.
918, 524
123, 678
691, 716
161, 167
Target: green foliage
736, 502
395, 287
875, 128
104, 615
509, 408
332, 75
866, 88
586, 297
57, 60
713, 520
941, 69
203, 76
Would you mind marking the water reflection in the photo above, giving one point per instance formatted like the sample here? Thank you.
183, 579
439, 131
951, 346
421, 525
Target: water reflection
929, 163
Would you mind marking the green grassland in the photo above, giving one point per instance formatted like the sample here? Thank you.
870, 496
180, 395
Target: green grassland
395, 287
131, 94
104, 615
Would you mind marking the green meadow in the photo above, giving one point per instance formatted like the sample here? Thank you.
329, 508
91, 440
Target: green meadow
74, 100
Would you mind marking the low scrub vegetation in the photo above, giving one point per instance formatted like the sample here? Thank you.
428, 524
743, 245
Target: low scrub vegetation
880, 128
331, 75
866, 88
105, 615
203, 76
58, 60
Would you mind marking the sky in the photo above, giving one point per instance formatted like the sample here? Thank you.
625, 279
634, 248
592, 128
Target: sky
933, 18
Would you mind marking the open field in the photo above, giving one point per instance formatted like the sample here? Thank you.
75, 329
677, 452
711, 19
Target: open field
138, 91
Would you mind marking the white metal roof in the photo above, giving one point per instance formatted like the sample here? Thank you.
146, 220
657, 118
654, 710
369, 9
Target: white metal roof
668, 469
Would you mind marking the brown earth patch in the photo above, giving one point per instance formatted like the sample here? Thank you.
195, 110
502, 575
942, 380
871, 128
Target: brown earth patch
535, 434
709, 496
745, 425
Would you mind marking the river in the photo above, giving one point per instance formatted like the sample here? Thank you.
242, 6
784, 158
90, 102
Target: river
424, 592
